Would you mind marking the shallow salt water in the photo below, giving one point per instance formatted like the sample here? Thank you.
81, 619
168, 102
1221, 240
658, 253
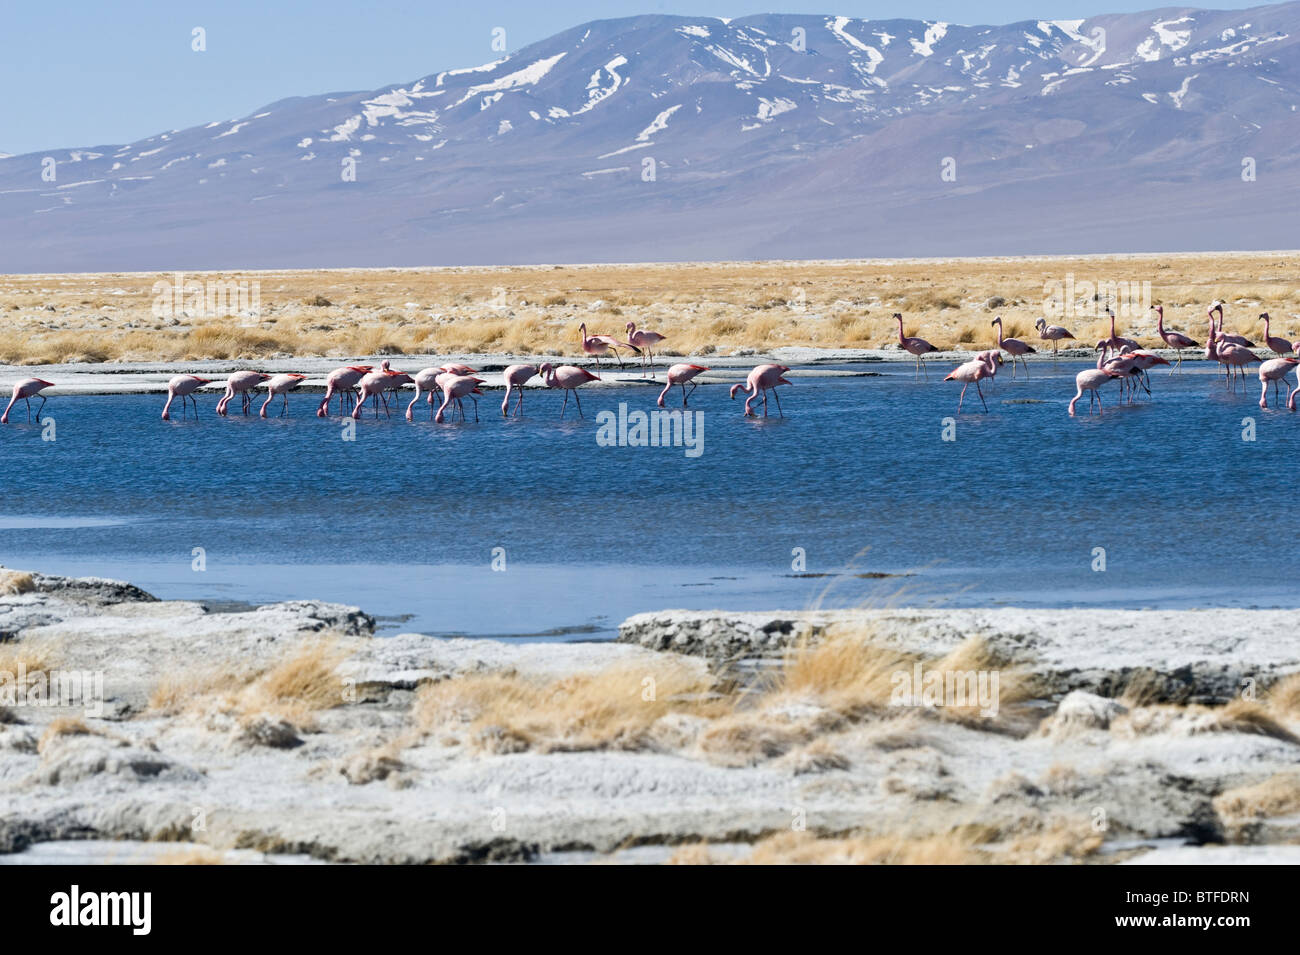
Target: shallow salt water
405, 519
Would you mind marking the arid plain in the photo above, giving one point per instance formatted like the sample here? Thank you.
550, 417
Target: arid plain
713, 308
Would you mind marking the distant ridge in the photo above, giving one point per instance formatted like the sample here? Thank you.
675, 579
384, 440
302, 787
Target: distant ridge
681, 138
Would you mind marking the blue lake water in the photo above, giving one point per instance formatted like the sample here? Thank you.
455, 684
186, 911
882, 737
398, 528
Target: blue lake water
404, 520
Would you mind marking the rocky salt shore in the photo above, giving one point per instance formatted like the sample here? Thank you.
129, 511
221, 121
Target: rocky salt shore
233, 733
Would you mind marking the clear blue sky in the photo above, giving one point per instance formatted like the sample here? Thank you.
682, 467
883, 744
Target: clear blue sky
90, 72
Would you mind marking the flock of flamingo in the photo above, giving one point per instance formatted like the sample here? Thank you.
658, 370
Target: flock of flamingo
1123, 358
1118, 358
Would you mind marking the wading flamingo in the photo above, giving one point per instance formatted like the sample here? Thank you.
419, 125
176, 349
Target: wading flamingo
26, 390
240, 383
183, 387
342, 382
1175, 340
454, 388
1123, 364
516, 376
1013, 347
645, 342
568, 377
761, 379
1144, 361
1280, 346
1116, 342
680, 375
597, 345
1091, 380
916, 347
1274, 372
1236, 358
426, 380
1052, 333
984, 365
374, 384
1229, 339
281, 385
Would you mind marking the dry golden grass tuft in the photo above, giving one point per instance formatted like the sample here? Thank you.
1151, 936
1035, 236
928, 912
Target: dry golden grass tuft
853, 673
1283, 698
14, 582
33, 657
1142, 688
303, 682
1279, 795
1033, 840
62, 727
801, 848
615, 708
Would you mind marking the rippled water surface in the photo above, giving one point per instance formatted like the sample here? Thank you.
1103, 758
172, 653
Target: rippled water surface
404, 520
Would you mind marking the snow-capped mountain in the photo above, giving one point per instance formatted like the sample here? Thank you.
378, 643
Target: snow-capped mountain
663, 137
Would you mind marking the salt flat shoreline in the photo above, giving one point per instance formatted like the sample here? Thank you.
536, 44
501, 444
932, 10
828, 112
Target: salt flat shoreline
366, 777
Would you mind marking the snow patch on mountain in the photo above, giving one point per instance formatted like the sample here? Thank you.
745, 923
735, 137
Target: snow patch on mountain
934, 32
660, 123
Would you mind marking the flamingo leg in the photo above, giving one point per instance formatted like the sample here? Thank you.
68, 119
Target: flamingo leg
565, 405
980, 392
777, 395
963, 396
579, 402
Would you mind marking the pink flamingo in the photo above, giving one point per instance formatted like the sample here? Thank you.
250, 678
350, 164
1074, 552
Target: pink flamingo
426, 380
26, 390
183, 386
916, 347
644, 342
1230, 339
1013, 347
240, 383
1124, 365
454, 388
458, 369
342, 382
1144, 361
1175, 340
1280, 346
1052, 333
1274, 371
568, 377
1290, 399
516, 376
374, 384
680, 375
761, 379
281, 385
1236, 357
1116, 342
983, 365
1091, 380
597, 345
